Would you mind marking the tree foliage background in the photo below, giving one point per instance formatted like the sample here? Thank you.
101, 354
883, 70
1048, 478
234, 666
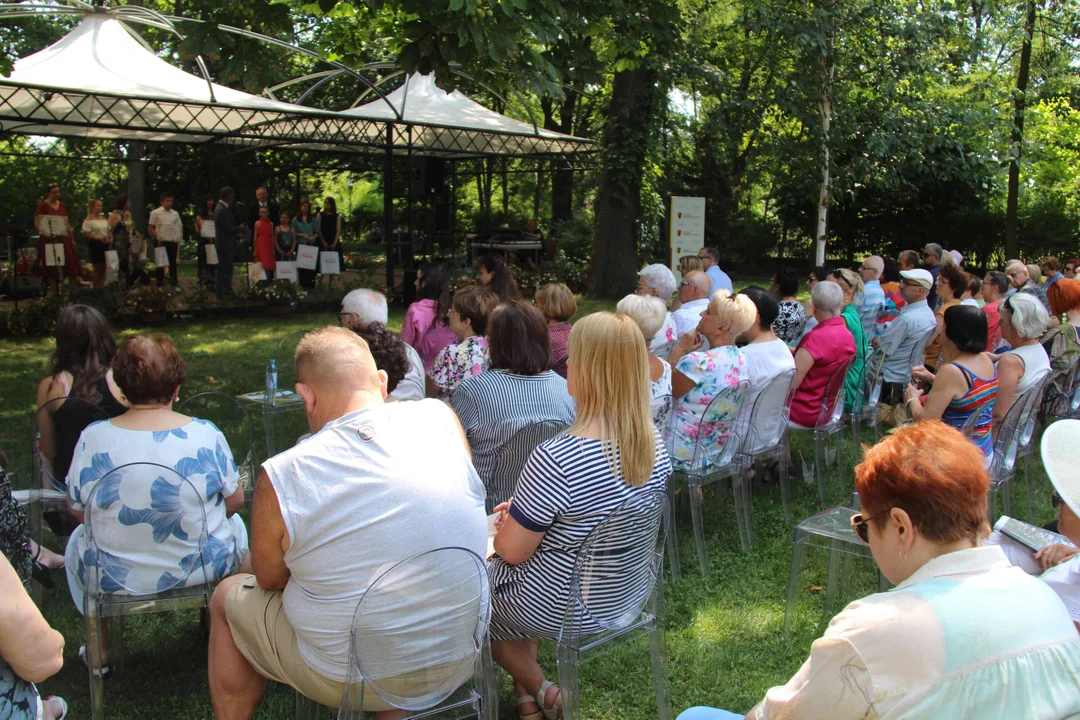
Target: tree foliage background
901, 119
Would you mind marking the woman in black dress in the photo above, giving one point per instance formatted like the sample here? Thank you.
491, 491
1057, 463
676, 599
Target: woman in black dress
330, 232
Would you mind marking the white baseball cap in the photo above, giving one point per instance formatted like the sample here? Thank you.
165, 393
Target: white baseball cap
923, 277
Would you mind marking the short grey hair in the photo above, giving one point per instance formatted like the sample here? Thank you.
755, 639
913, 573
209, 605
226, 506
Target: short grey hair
1029, 316
828, 297
648, 313
936, 249
368, 305
1015, 264
661, 279
875, 263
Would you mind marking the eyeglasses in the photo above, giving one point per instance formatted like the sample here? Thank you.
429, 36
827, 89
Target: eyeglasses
686, 284
859, 525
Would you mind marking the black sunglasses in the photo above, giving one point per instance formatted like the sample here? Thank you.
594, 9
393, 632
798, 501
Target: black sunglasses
859, 525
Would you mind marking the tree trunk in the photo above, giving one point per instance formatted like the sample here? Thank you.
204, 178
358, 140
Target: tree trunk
825, 108
1012, 233
562, 179
618, 202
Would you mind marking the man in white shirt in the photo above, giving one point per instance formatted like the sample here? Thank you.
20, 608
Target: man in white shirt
694, 293
915, 320
719, 279
376, 484
873, 296
168, 231
362, 307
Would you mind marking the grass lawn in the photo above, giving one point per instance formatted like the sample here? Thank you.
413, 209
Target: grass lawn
725, 637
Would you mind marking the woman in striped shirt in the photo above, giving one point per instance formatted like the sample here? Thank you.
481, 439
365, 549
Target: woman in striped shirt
964, 386
569, 485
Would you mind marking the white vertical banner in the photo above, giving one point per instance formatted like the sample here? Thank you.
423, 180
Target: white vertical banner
687, 228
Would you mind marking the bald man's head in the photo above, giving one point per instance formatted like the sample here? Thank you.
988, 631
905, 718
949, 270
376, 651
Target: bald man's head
336, 360
700, 284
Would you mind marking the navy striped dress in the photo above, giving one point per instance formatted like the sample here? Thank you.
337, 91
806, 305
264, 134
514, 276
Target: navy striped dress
565, 491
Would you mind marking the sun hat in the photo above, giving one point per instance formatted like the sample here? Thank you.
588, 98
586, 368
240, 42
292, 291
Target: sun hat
1059, 443
923, 277
957, 257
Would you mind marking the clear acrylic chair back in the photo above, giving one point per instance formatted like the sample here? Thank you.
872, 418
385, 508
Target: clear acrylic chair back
172, 526
54, 432
832, 406
918, 351
419, 631
1010, 435
284, 356
718, 438
868, 316
870, 387
767, 420
617, 566
663, 408
235, 423
510, 459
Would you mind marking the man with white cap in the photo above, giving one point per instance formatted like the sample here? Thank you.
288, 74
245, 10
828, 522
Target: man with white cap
1058, 564
915, 320
362, 307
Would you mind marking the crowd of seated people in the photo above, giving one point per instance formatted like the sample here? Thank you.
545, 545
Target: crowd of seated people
282, 611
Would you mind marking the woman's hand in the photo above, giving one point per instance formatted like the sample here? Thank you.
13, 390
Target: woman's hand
503, 509
912, 393
1052, 555
690, 342
921, 373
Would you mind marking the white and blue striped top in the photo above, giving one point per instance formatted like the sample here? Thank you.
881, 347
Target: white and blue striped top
566, 490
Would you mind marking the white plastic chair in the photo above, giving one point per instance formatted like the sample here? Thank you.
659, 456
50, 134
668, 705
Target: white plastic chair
715, 458
111, 592
511, 457
616, 595
231, 417
768, 428
420, 635
830, 421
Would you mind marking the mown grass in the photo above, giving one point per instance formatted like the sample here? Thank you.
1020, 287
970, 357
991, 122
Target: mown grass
725, 636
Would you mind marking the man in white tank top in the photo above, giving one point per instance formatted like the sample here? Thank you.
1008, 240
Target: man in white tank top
376, 484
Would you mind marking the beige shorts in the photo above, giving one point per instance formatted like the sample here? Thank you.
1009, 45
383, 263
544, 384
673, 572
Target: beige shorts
267, 639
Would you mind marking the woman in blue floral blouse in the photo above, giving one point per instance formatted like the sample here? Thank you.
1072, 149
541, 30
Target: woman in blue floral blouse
150, 548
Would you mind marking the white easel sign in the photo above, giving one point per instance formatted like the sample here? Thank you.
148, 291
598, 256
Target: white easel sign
687, 228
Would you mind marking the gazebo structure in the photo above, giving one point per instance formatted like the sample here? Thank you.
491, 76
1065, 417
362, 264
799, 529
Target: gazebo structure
102, 81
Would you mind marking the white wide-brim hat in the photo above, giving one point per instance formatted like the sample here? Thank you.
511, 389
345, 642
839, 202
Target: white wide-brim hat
1060, 442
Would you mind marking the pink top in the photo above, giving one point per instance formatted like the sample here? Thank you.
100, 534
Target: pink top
993, 326
559, 335
831, 344
419, 331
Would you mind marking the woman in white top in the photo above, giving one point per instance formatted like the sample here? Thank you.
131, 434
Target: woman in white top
963, 633
95, 229
658, 281
766, 355
648, 313
1023, 322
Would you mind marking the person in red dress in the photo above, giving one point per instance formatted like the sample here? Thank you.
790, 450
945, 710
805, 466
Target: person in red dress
72, 269
264, 242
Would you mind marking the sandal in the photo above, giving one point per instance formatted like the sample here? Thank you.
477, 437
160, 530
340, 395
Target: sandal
63, 706
41, 573
103, 672
525, 700
552, 712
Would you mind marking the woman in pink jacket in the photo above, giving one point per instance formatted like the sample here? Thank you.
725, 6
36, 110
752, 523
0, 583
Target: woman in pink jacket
426, 327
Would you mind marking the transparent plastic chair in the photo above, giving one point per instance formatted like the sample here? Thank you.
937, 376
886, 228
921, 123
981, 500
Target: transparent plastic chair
231, 417
112, 591
282, 411
1016, 432
868, 316
616, 595
419, 639
765, 440
717, 455
830, 421
510, 459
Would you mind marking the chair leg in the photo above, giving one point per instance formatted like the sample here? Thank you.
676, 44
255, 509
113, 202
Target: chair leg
94, 632
695, 490
832, 578
785, 493
569, 661
794, 577
658, 654
819, 465
744, 504
306, 708
673, 538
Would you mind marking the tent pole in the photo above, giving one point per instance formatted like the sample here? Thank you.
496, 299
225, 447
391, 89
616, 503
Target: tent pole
388, 206
411, 258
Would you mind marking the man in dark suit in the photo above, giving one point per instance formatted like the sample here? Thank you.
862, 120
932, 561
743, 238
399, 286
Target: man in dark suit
226, 235
262, 200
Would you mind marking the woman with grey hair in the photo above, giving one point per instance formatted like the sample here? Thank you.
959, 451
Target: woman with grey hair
1023, 322
649, 313
824, 349
658, 281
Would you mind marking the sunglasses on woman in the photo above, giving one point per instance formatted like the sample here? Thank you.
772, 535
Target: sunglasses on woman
859, 525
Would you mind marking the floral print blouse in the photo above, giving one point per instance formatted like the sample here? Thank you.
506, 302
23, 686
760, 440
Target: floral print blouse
715, 372
663, 342
454, 363
790, 323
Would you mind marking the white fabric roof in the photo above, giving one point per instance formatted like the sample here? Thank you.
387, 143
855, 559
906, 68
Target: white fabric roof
100, 82
453, 125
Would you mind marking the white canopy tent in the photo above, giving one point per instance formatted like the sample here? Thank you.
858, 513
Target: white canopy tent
102, 82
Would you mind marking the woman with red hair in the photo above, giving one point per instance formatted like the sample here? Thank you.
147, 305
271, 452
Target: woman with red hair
963, 633
1062, 342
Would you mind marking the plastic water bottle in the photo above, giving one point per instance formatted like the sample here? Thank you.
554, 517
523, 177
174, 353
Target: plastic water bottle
271, 382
